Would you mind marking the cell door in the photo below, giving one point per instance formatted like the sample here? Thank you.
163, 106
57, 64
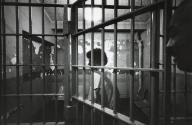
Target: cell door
119, 62
34, 62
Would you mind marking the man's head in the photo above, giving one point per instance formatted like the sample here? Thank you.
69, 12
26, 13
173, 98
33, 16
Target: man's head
180, 36
96, 57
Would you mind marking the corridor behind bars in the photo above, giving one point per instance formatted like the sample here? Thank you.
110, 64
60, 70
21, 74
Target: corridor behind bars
95, 62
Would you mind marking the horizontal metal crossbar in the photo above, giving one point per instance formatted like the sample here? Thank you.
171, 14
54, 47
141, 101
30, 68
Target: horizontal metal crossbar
21, 95
110, 112
110, 6
61, 5
12, 34
119, 68
122, 17
33, 65
118, 30
32, 4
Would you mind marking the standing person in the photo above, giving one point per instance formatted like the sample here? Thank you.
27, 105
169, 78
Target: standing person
108, 89
108, 86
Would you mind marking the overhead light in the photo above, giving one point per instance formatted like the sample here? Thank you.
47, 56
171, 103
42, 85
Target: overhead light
97, 14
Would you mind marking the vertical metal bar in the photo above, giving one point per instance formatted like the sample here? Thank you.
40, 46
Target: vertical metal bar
17, 61
75, 59
77, 70
92, 116
167, 63
66, 64
102, 60
175, 90
132, 63
77, 73
74, 26
56, 84
76, 55
163, 58
140, 44
102, 52
115, 58
4, 67
43, 45
64, 14
83, 114
116, 3
92, 63
92, 56
1, 64
186, 97
84, 54
31, 60
151, 19
84, 75
174, 83
154, 64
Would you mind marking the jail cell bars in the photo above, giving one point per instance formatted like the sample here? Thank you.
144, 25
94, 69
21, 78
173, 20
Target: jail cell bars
34, 66
34, 75
88, 35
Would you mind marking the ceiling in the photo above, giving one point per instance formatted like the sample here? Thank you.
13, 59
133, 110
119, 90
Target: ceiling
109, 13
99, 2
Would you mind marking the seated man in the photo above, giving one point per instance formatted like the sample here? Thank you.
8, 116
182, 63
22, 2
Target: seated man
180, 42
